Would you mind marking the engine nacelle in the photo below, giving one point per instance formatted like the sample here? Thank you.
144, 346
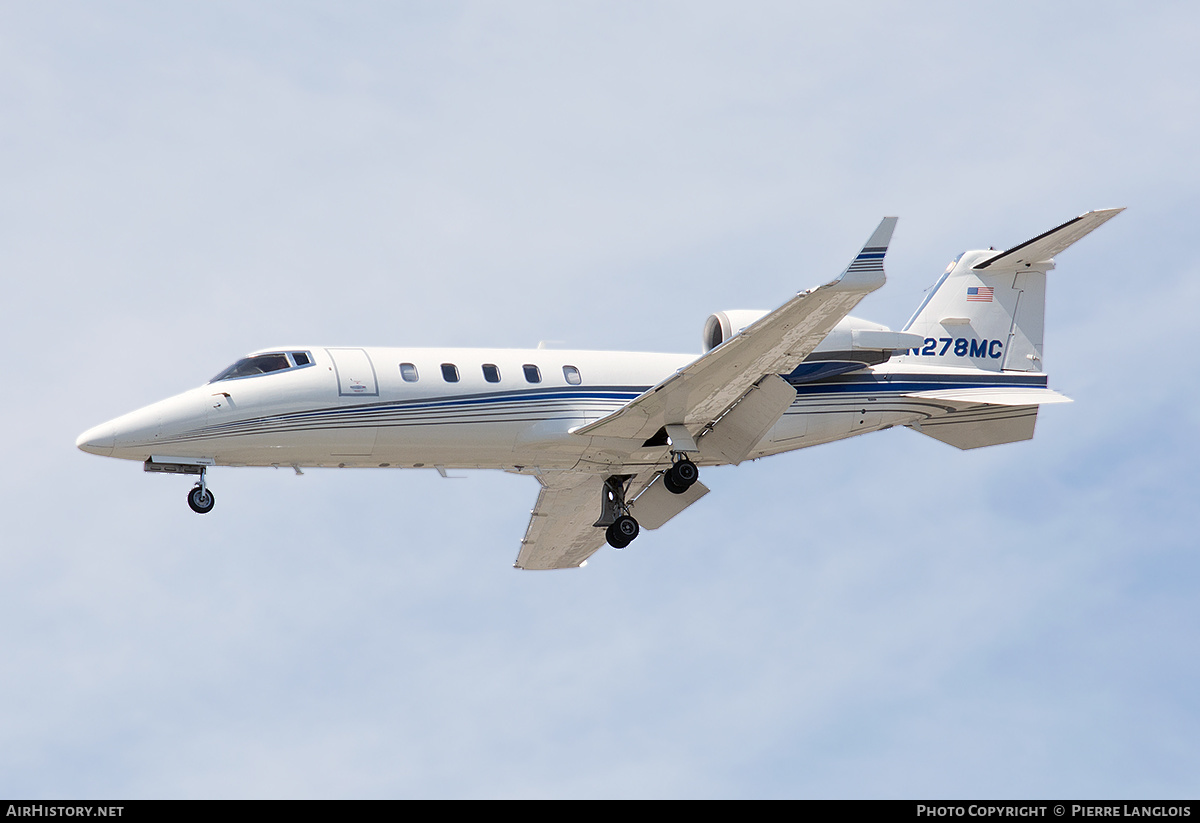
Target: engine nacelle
723, 325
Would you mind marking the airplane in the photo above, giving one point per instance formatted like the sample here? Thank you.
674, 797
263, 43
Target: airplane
626, 433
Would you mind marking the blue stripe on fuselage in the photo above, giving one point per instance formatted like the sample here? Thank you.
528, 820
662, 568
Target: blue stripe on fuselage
910, 383
891, 384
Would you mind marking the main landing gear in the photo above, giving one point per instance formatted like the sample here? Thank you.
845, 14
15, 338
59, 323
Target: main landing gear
200, 498
620, 527
682, 474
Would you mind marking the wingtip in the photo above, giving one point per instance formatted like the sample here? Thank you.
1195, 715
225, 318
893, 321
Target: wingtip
1103, 215
865, 272
883, 234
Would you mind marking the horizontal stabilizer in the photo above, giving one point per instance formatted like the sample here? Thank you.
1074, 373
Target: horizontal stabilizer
980, 426
1045, 246
997, 396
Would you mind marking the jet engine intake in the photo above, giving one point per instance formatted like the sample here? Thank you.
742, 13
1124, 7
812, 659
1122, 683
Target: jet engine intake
723, 325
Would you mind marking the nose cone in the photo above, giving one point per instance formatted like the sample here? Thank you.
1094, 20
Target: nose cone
98, 440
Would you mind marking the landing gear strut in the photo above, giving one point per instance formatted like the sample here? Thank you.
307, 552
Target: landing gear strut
200, 498
621, 528
682, 474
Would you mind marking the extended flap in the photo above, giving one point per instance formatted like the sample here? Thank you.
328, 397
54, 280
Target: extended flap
656, 505
737, 433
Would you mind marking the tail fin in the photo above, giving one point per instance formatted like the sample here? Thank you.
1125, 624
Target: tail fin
987, 309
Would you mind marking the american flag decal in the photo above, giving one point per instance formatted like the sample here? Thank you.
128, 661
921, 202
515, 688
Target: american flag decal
979, 294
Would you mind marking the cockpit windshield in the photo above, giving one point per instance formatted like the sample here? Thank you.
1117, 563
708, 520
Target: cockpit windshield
264, 364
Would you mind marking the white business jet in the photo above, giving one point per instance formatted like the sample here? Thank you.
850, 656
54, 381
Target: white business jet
616, 438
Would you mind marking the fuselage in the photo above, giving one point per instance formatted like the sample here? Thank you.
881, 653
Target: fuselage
511, 409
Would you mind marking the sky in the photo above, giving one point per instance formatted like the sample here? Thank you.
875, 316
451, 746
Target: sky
882, 617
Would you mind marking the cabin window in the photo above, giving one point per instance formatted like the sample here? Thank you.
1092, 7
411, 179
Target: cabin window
532, 373
450, 372
409, 372
572, 375
491, 373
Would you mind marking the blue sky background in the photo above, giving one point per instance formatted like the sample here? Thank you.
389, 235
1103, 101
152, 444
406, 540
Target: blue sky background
881, 617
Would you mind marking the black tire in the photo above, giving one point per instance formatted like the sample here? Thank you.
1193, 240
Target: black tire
622, 532
627, 528
615, 540
201, 500
672, 486
683, 474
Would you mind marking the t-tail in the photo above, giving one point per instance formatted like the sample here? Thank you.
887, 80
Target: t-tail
987, 314
987, 310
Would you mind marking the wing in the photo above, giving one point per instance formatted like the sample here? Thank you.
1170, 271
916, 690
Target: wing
743, 371
562, 532
700, 393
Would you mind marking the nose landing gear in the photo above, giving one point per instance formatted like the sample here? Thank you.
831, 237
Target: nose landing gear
200, 498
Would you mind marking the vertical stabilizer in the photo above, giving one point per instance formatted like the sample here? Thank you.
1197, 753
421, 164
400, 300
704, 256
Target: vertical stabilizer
990, 320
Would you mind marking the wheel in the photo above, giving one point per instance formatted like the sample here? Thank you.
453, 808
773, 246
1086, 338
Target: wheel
682, 475
614, 539
201, 500
686, 472
625, 528
622, 532
672, 486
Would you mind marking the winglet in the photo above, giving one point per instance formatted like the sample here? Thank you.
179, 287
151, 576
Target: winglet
883, 235
1045, 246
865, 272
